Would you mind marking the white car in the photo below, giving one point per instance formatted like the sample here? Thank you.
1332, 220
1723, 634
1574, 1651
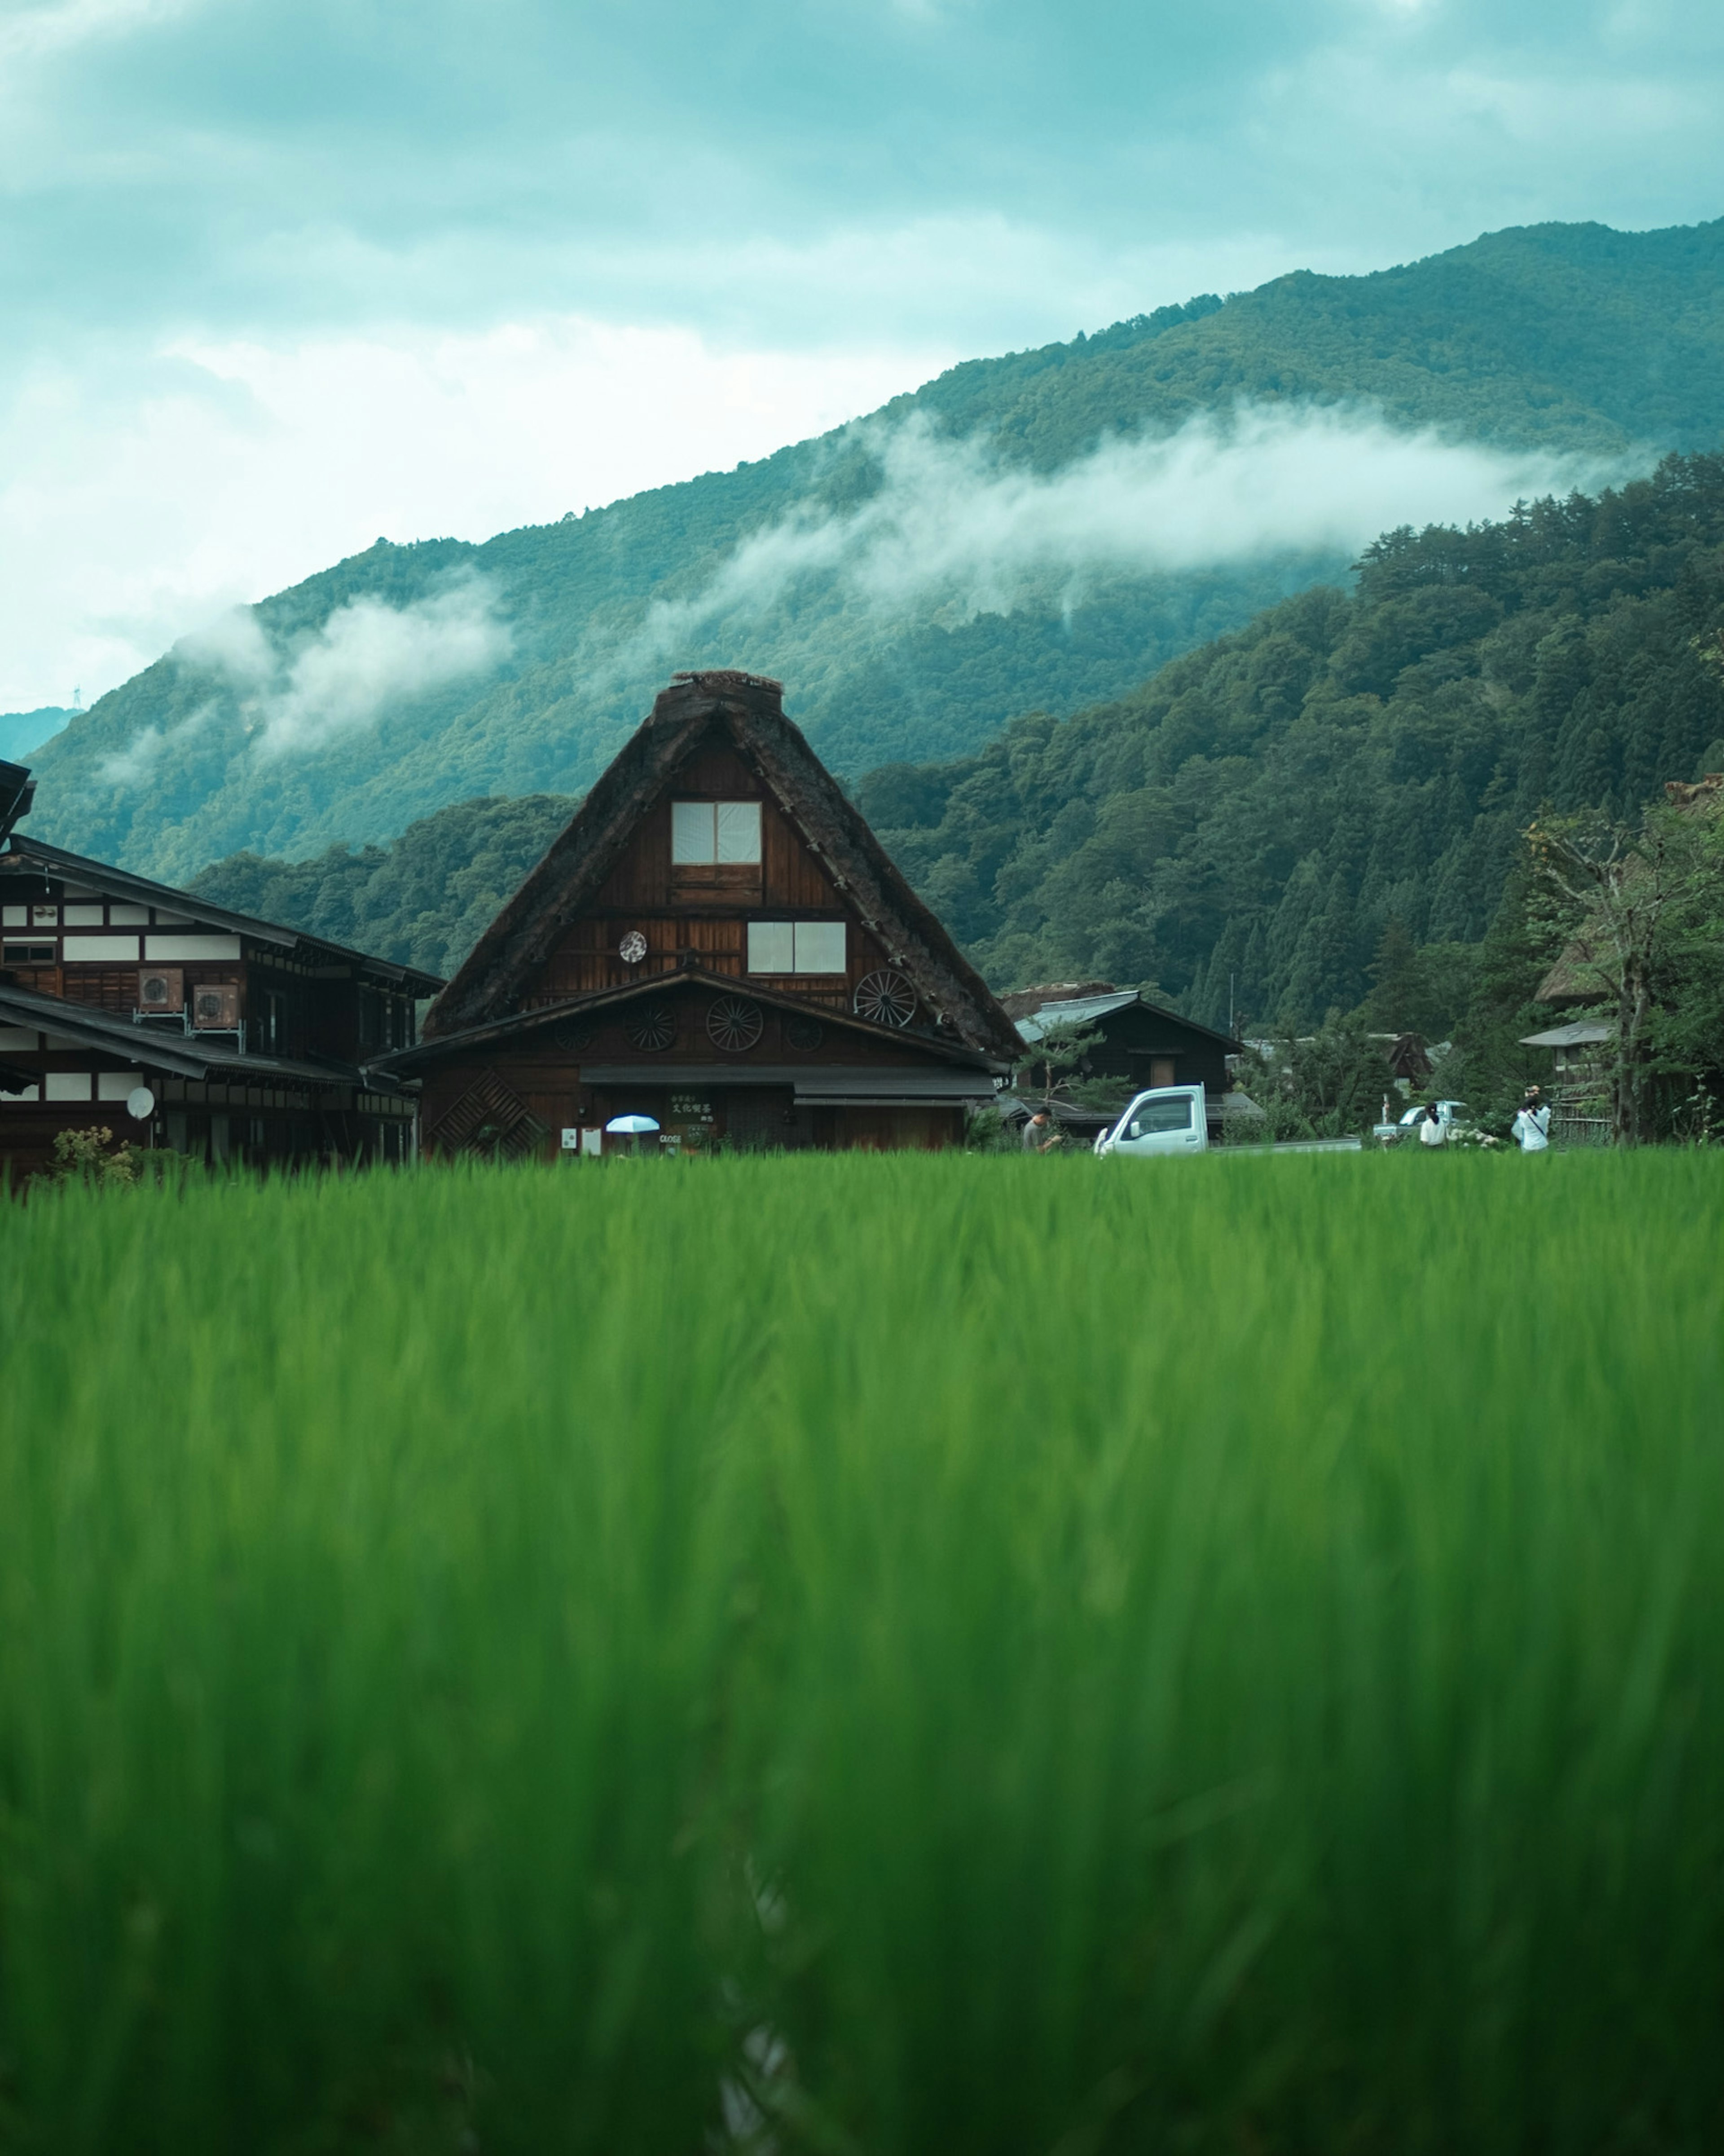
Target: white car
1449, 1114
1166, 1119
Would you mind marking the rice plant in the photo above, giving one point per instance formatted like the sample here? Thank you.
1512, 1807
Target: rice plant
894, 1654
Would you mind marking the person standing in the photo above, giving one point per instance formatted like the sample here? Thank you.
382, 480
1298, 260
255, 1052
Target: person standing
1433, 1131
1532, 1126
1041, 1134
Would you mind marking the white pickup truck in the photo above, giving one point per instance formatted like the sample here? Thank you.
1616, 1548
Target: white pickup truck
1172, 1119
1169, 1119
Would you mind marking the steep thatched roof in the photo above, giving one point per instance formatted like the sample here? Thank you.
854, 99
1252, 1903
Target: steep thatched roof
748, 710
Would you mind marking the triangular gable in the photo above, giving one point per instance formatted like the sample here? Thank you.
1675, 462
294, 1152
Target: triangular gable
749, 711
554, 1020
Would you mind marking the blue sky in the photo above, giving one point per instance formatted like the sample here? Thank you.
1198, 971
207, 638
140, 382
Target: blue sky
279, 277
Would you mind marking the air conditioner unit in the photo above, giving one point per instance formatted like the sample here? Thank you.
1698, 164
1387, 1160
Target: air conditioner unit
215, 1007
162, 988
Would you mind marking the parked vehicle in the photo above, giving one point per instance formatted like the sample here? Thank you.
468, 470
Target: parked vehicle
1450, 1113
1166, 1119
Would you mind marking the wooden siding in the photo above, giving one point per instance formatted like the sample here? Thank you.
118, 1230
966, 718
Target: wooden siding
702, 911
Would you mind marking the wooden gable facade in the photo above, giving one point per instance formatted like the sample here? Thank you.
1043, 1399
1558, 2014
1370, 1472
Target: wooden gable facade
129, 1006
716, 946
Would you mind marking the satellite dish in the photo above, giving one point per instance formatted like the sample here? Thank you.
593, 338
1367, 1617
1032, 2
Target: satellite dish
140, 1104
633, 948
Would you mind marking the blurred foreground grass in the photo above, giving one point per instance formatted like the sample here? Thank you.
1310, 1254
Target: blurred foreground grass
887, 1655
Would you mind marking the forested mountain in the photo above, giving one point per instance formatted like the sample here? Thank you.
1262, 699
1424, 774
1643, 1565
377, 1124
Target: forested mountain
902, 575
1255, 818
1344, 781
23, 732
424, 901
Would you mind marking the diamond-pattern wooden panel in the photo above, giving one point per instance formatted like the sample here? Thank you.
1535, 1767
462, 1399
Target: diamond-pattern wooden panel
490, 1121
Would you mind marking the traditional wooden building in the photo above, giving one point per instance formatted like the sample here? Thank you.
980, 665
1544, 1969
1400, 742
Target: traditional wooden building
174, 1023
1140, 1044
718, 947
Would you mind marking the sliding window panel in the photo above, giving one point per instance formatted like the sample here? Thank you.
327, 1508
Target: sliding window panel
739, 831
820, 947
772, 946
693, 843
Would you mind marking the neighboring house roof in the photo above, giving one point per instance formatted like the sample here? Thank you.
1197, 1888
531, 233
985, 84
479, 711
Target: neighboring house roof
578, 1010
182, 1054
1583, 1034
1083, 1010
23, 852
1023, 1003
1581, 975
17, 789
748, 709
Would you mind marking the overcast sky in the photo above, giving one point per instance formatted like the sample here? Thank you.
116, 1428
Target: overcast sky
284, 275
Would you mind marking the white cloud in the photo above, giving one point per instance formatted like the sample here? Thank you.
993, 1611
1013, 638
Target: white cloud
60, 25
367, 655
144, 493
952, 530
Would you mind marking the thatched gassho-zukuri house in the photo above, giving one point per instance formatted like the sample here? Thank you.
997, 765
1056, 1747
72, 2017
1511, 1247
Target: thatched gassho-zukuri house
717, 943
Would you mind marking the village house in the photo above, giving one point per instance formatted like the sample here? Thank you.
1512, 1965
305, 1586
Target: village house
1140, 1044
716, 951
129, 1005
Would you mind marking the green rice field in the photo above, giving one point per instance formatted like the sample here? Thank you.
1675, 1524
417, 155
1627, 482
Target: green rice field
868, 1655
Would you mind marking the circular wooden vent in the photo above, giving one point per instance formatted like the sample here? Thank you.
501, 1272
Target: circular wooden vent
734, 1022
652, 1026
885, 996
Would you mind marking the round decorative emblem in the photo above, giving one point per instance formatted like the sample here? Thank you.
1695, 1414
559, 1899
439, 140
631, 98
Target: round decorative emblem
651, 1026
803, 1032
734, 1022
633, 948
577, 1036
885, 996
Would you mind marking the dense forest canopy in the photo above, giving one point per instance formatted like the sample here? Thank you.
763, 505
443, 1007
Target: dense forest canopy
521, 665
23, 732
424, 900
1322, 811
1250, 822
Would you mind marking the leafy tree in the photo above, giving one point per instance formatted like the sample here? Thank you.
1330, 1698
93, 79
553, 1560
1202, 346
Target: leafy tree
1645, 906
1048, 1072
1328, 1084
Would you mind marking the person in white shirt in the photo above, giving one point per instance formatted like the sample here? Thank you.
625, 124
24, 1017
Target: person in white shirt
1433, 1131
1532, 1126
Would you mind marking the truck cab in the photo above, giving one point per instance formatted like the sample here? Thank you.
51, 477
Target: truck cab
1166, 1119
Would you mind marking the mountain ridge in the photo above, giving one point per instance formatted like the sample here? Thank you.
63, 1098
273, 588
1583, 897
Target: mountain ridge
1555, 338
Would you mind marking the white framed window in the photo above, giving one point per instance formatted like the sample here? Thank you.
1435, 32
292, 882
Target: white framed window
772, 946
796, 946
68, 1085
705, 833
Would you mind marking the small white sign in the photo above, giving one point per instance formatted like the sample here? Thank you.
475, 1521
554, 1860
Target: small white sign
592, 1141
571, 1141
